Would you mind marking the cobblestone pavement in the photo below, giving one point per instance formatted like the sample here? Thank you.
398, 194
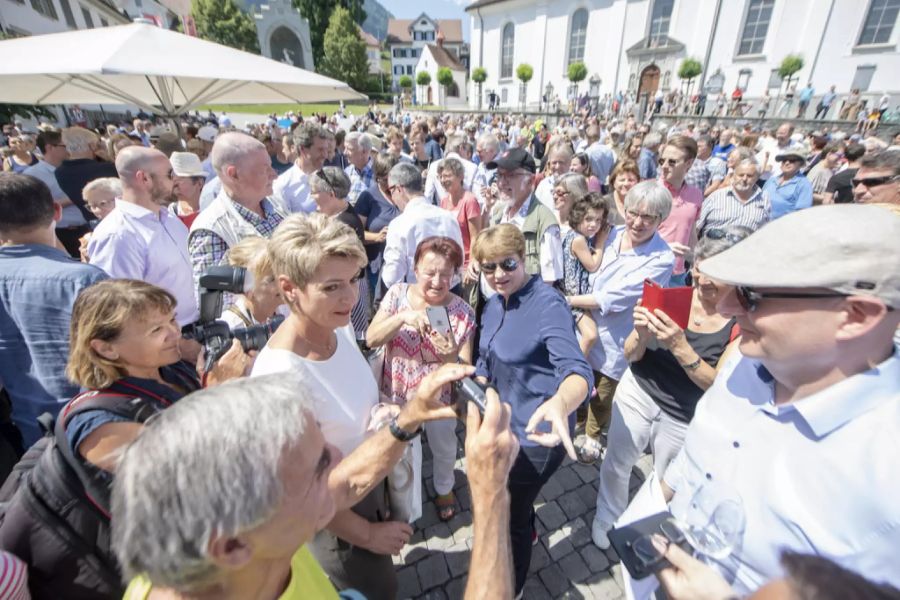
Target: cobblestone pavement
564, 564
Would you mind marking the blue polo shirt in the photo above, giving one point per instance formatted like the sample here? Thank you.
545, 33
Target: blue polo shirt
788, 196
527, 348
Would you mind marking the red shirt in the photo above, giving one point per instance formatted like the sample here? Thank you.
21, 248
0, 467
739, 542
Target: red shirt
188, 219
467, 209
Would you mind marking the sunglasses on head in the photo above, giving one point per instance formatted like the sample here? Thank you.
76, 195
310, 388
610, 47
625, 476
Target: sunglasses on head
321, 175
507, 264
749, 298
871, 182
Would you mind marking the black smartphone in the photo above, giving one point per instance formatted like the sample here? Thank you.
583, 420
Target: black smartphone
636, 550
468, 389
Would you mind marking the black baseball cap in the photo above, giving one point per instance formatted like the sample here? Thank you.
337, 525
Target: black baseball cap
514, 158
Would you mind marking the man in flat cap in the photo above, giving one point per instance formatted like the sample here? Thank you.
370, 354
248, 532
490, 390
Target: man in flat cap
801, 427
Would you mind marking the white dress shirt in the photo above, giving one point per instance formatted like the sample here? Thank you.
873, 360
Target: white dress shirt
434, 191
816, 476
292, 191
544, 192
418, 221
135, 243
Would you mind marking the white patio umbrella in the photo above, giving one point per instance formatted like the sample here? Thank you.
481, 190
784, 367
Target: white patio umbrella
160, 71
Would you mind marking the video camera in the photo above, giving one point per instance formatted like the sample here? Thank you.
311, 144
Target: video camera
215, 335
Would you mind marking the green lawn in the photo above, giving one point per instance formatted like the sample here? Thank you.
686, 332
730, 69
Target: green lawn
280, 109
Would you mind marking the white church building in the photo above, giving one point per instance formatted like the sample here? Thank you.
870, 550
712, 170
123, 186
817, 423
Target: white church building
638, 45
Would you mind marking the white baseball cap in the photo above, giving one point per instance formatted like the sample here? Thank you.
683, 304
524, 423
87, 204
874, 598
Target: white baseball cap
186, 164
208, 133
848, 248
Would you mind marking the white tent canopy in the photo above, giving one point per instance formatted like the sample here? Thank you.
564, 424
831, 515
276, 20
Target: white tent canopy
160, 71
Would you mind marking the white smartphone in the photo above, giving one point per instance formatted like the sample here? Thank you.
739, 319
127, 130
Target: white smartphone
438, 318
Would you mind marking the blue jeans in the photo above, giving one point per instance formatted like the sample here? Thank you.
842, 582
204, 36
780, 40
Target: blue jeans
533, 467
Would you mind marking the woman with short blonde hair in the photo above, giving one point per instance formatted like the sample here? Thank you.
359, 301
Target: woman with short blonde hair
318, 262
260, 303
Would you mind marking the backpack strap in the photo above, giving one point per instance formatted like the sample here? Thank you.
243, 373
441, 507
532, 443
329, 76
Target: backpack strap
133, 408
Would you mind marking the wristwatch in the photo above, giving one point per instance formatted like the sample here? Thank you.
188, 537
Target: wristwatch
400, 434
692, 366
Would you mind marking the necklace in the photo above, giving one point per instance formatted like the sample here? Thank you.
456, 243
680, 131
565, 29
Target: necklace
327, 348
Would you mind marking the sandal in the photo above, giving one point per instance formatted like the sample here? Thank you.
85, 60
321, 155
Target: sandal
446, 506
587, 449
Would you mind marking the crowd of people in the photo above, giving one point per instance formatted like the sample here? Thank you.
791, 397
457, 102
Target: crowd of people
387, 258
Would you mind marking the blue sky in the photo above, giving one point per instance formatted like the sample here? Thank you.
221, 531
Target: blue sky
438, 9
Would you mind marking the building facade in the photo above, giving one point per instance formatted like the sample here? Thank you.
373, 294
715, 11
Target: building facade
283, 33
373, 51
432, 58
638, 45
38, 17
407, 37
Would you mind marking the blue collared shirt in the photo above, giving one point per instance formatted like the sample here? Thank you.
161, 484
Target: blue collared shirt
602, 160
647, 164
788, 196
38, 286
617, 286
816, 476
527, 348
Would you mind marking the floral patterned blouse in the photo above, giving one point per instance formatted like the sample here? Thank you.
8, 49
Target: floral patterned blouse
409, 357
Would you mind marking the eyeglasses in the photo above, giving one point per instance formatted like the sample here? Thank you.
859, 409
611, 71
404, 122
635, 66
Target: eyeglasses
668, 161
634, 216
507, 264
871, 182
749, 298
721, 234
644, 549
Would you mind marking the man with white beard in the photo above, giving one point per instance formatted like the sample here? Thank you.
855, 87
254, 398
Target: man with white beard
742, 203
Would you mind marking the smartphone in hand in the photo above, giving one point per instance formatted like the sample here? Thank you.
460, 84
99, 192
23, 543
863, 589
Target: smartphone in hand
439, 319
467, 389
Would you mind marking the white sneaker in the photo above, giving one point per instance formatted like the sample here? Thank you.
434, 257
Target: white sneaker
599, 530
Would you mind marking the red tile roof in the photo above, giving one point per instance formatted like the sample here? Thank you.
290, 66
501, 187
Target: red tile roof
398, 30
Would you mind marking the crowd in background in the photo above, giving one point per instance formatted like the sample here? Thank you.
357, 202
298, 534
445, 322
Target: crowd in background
381, 248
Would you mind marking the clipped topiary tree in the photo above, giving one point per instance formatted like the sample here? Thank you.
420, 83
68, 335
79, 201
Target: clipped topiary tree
524, 73
688, 71
405, 82
423, 79
479, 76
577, 72
445, 79
790, 65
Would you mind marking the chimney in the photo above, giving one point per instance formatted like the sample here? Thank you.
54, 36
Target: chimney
440, 38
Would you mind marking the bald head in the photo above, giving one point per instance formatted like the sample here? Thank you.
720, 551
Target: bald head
132, 159
232, 148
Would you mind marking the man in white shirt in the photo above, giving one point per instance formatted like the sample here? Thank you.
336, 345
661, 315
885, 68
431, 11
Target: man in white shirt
801, 426
141, 239
434, 191
488, 147
291, 189
71, 225
418, 221
559, 162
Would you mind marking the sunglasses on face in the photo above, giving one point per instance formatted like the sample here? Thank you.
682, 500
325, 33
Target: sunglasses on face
507, 264
791, 159
669, 161
871, 182
749, 298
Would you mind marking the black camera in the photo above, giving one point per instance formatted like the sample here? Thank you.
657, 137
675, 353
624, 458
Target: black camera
215, 335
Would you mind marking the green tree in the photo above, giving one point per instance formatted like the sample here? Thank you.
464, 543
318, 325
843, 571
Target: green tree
524, 72
423, 79
405, 82
318, 14
688, 70
223, 22
345, 52
479, 76
576, 72
444, 78
790, 65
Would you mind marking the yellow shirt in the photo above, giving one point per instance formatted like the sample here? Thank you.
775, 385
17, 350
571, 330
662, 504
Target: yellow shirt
308, 581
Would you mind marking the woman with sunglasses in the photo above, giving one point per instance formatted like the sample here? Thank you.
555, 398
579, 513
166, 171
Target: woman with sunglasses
413, 349
329, 187
529, 352
669, 370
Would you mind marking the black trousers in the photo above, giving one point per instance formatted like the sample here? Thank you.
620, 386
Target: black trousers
534, 466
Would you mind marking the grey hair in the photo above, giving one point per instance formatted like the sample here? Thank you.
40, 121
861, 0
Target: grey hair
208, 467
109, 185
651, 194
652, 139
731, 235
361, 139
305, 135
454, 142
232, 148
873, 145
490, 140
406, 176
78, 139
335, 181
454, 165
748, 162
575, 183
882, 161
